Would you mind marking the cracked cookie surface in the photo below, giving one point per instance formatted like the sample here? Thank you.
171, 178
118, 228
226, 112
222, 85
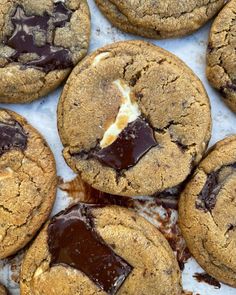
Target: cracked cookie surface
207, 212
159, 19
133, 90
3, 290
153, 268
27, 182
40, 42
221, 56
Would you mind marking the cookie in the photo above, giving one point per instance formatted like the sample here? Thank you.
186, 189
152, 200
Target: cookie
3, 290
207, 212
159, 19
97, 249
134, 127
27, 182
40, 42
221, 56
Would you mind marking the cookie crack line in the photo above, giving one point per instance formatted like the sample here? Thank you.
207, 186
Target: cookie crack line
182, 146
4, 208
28, 218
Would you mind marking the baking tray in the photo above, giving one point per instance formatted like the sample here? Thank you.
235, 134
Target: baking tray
42, 115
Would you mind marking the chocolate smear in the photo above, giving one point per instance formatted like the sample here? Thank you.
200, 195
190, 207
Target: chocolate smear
74, 241
130, 146
22, 40
80, 191
160, 212
206, 278
12, 136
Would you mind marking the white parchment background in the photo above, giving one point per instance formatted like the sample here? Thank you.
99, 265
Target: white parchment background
42, 115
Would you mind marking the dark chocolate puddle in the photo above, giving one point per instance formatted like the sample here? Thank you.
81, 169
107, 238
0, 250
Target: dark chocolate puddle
130, 146
73, 241
22, 40
12, 136
208, 196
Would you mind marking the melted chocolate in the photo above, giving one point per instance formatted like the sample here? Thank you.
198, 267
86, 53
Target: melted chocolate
208, 196
206, 278
73, 241
12, 136
108, 199
167, 203
130, 146
168, 198
23, 41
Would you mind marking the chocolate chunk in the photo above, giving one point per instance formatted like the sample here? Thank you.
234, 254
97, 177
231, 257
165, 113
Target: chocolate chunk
99, 197
208, 196
73, 241
61, 15
229, 87
130, 146
232, 86
22, 40
12, 136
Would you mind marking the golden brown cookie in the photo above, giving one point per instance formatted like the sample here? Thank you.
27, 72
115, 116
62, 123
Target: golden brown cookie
221, 57
27, 182
96, 249
159, 19
207, 212
40, 42
3, 290
129, 119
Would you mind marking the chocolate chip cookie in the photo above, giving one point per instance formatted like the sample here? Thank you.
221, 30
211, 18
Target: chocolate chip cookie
207, 212
3, 290
40, 42
159, 19
27, 182
221, 57
140, 122
97, 249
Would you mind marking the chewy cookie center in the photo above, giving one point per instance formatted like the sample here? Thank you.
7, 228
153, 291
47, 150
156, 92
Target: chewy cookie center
32, 39
129, 138
74, 241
